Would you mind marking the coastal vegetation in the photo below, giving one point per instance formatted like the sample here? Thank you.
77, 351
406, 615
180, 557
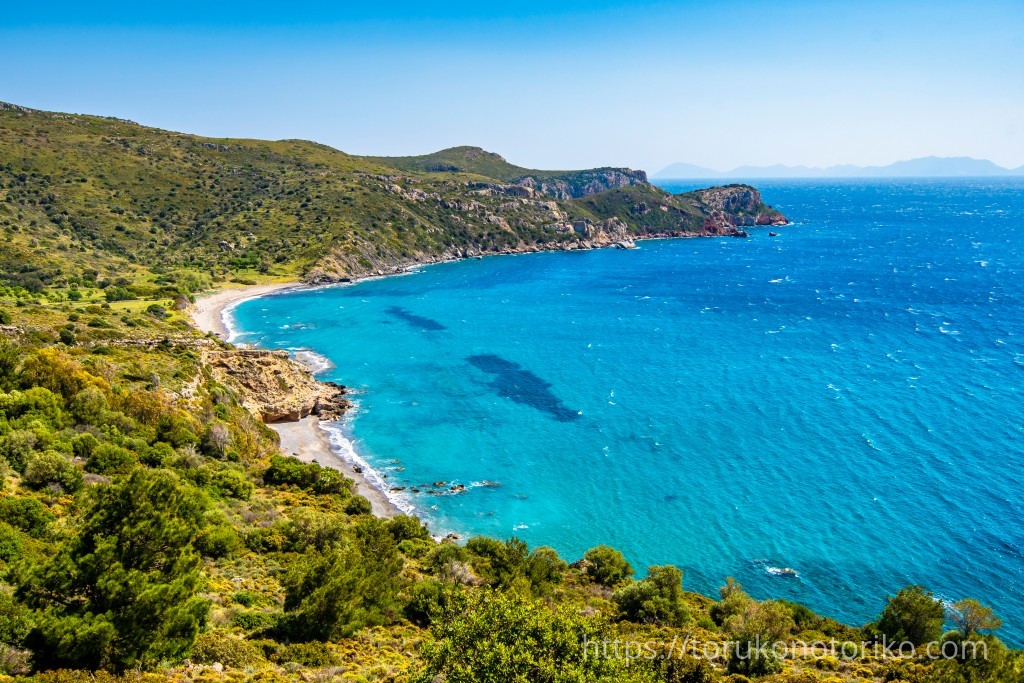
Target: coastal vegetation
151, 529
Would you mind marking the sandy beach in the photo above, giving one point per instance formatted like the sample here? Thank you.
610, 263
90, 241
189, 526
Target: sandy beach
303, 439
208, 310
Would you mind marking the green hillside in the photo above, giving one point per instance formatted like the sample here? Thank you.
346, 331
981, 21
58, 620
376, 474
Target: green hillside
559, 184
114, 197
458, 160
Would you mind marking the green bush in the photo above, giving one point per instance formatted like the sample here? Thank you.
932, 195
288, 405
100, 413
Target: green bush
285, 471
232, 483
27, 514
308, 654
334, 593
254, 621
357, 505
17, 448
119, 294
15, 620
218, 541
176, 429
444, 555
158, 455
746, 660
912, 615
404, 527
510, 565
10, 543
606, 565
428, 599
656, 599
124, 592
108, 458
83, 445
486, 637
50, 468
215, 647
246, 598
89, 405
157, 311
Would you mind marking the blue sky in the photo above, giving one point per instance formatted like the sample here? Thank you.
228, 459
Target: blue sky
548, 85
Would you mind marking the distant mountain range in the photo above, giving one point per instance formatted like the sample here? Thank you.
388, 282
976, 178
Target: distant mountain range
925, 167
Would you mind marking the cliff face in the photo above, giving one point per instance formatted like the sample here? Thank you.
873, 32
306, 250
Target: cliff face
733, 206
583, 183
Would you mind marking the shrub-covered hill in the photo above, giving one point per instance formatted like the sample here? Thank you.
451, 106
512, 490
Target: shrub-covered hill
150, 527
83, 194
559, 184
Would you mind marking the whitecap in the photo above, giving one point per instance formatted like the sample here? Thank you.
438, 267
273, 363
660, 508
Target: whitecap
345, 449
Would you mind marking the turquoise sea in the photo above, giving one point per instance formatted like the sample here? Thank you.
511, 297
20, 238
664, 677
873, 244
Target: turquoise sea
843, 399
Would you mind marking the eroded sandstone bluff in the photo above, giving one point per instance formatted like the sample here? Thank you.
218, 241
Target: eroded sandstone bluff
275, 387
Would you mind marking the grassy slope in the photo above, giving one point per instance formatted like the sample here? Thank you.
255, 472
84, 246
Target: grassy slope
466, 159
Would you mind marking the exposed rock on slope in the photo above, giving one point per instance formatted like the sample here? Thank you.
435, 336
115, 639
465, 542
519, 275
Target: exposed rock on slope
736, 205
557, 184
583, 183
274, 386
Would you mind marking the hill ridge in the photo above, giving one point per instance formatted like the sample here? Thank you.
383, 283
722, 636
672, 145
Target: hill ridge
920, 167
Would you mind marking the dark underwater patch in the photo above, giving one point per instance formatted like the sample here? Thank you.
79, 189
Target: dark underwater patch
419, 321
522, 386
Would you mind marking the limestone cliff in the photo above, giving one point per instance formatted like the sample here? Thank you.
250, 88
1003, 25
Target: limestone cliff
737, 205
583, 183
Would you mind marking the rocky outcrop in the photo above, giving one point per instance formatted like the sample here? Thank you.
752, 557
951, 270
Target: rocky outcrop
577, 184
274, 386
732, 206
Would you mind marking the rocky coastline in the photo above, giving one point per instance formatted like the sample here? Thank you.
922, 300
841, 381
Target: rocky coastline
723, 221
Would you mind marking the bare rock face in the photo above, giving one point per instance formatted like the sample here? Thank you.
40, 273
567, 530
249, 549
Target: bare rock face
732, 206
583, 183
274, 386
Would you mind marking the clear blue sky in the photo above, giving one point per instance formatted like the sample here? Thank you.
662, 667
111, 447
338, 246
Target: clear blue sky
550, 85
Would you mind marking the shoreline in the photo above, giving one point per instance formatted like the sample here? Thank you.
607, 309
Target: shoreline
208, 311
306, 439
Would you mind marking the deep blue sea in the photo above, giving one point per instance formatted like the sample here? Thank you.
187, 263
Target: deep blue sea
843, 399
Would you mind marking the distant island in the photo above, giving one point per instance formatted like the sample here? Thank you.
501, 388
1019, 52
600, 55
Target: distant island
924, 167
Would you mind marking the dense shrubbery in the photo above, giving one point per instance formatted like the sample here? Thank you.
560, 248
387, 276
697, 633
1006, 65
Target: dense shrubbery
123, 592
284, 471
607, 566
508, 637
353, 582
912, 615
656, 599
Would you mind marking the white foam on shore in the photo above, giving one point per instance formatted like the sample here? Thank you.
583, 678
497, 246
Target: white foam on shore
343, 447
315, 362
